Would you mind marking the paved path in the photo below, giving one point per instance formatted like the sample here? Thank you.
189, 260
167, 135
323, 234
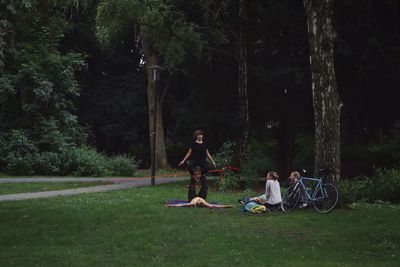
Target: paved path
119, 183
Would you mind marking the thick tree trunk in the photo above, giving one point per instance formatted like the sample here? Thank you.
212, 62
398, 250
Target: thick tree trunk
326, 99
241, 142
152, 59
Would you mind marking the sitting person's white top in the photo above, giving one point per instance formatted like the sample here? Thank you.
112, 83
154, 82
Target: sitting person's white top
272, 194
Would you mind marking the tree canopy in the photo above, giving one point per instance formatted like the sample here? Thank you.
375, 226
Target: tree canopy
74, 73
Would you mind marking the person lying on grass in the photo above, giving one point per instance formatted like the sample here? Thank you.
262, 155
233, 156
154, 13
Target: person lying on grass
199, 202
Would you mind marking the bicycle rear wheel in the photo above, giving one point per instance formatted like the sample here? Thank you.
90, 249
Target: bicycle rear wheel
290, 199
329, 198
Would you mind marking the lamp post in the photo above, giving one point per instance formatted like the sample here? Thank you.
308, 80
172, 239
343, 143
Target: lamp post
155, 69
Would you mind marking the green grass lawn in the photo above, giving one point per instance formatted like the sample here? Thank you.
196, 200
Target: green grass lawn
6, 175
132, 228
14, 188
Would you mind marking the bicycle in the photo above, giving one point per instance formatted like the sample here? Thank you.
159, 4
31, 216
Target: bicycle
324, 196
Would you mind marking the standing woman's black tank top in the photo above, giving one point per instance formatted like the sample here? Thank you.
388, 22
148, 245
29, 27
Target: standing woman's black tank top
199, 152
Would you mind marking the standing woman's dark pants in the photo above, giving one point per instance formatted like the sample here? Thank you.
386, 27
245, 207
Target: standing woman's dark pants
191, 165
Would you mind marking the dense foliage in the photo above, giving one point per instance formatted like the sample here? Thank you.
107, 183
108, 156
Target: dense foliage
37, 85
39, 130
61, 91
383, 186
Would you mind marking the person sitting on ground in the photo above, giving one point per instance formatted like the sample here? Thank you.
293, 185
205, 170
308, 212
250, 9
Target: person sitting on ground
199, 202
272, 196
294, 179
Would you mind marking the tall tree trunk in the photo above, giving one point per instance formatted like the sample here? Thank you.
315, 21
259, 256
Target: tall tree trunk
152, 59
241, 142
326, 101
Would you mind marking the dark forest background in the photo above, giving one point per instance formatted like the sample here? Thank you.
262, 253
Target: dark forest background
61, 89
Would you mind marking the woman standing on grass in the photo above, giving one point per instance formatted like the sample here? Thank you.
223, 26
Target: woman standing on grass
198, 152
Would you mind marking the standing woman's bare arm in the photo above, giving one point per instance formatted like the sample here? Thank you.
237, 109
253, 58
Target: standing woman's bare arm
186, 157
212, 160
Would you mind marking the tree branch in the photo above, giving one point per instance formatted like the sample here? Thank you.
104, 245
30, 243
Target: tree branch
216, 14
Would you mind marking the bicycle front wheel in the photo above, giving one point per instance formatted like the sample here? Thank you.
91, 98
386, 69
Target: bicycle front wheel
327, 198
291, 198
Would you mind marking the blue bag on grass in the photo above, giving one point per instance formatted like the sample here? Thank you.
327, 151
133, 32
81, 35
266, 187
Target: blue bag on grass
254, 207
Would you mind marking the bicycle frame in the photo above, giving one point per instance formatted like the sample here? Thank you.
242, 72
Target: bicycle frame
318, 186
324, 201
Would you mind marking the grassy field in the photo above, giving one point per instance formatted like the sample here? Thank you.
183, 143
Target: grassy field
138, 173
14, 188
133, 228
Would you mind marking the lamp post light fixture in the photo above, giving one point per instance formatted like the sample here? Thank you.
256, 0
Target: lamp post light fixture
155, 69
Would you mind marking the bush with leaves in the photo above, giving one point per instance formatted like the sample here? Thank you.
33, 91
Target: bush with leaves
37, 82
17, 141
259, 160
47, 163
222, 158
17, 153
388, 185
19, 156
358, 189
84, 161
383, 186
224, 155
3, 144
122, 165
231, 181
87, 161
20, 165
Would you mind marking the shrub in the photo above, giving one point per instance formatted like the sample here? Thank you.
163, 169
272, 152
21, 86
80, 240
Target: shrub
259, 160
84, 161
255, 168
20, 164
18, 143
121, 165
223, 158
383, 186
388, 185
47, 163
3, 144
19, 156
224, 155
17, 153
231, 181
359, 189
